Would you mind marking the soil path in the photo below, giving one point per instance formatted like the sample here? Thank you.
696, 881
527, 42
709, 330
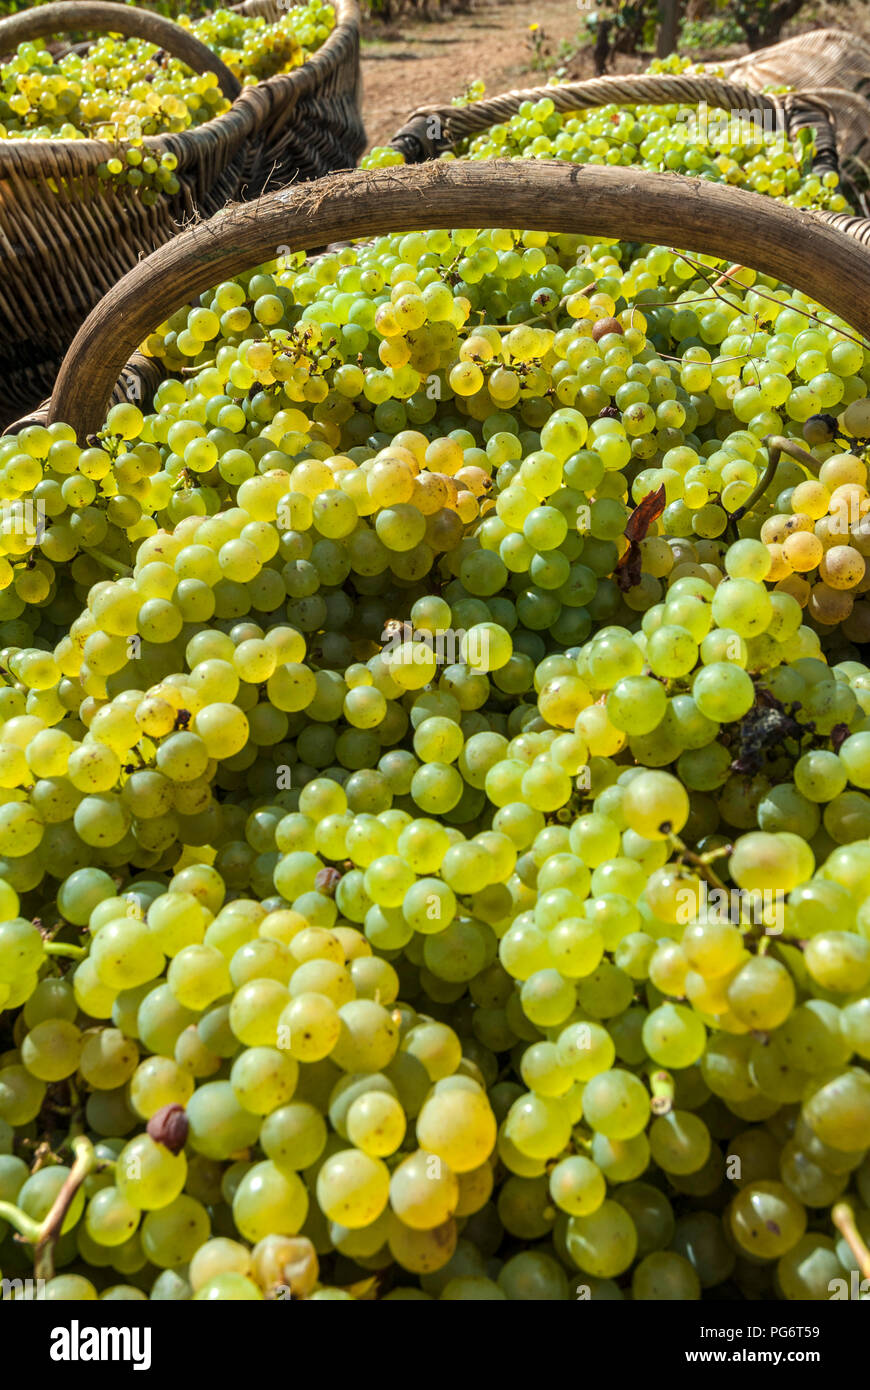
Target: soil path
411, 63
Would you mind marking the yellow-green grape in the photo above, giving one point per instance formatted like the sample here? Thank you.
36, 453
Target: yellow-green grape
376, 1124
353, 1188
148, 1175
766, 1220
577, 1186
110, 1218
263, 1079
156, 1082
38, 1194
172, 1235
458, 1125
423, 1191
52, 1050
216, 1257
220, 1126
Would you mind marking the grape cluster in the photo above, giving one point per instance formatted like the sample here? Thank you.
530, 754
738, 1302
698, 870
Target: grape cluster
434, 835
123, 89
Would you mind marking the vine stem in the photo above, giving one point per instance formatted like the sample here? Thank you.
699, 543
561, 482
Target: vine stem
697, 861
106, 561
776, 445
61, 948
85, 1162
23, 1224
843, 1218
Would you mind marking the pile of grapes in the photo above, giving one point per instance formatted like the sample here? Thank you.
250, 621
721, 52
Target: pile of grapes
435, 766
123, 89
739, 148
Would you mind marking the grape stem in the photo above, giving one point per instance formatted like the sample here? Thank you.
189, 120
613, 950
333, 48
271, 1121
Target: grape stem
48, 1233
843, 1218
662, 1087
23, 1224
776, 445
62, 948
698, 861
106, 561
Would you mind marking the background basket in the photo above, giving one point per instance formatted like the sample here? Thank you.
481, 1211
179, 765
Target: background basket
835, 66
431, 130
828, 71
64, 243
814, 252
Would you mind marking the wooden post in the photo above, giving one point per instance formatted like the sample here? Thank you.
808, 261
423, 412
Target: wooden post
666, 38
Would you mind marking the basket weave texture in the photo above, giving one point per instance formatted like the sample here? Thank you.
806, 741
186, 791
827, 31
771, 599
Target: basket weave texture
63, 246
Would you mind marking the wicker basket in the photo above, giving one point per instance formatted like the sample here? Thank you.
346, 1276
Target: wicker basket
431, 130
821, 254
832, 64
829, 72
61, 251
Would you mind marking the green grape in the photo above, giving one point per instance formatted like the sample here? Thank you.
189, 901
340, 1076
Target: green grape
679, 1142
577, 1186
762, 993
616, 1104
229, 1286
674, 1036
603, 1243
51, 1050
172, 1235
37, 1195
766, 1220
21, 1095
533, 1275
263, 1079
458, 1126
665, 1275
655, 805
353, 1188
148, 1175
269, 1200
838, 1110
220, 1126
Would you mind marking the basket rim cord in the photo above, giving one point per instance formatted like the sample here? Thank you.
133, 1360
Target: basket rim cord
598, 91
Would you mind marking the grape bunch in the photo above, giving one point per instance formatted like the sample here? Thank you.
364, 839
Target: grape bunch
435, 832
124, 89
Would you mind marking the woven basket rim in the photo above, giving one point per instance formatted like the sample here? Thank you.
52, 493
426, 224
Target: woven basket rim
462, 118
50, 158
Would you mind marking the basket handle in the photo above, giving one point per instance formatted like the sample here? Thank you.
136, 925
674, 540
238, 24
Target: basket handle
805, 250
67, 16
438, 127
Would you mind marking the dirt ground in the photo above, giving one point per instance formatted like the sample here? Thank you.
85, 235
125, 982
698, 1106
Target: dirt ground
412, 63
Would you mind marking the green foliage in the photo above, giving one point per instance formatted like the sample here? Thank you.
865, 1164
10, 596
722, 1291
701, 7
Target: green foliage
710, 33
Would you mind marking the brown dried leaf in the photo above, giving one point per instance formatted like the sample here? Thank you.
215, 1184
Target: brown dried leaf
629, 569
